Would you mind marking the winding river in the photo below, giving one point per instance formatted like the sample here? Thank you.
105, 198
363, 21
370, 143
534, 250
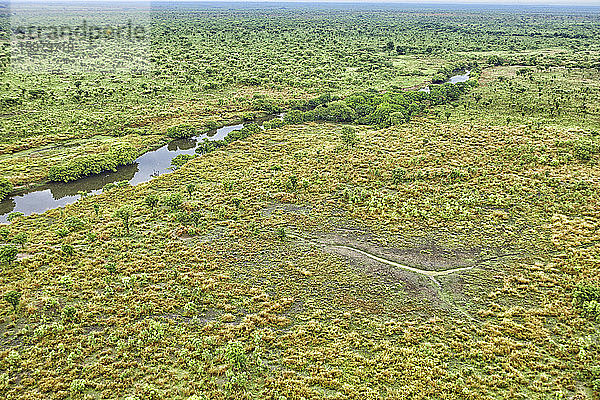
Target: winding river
151, 164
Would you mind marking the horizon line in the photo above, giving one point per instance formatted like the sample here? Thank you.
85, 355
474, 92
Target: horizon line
513, 3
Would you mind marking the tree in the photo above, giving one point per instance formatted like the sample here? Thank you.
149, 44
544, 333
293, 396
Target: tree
8, 254
13, 215
124, 213
5, 188
173, 201
13, 298
349, 138
190, 188
293, 117
181, 131
20, 238
151, 201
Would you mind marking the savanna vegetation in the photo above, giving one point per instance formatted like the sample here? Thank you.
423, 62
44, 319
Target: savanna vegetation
373, 241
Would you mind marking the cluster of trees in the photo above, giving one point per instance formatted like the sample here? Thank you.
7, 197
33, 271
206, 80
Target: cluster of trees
380, 109
93, 164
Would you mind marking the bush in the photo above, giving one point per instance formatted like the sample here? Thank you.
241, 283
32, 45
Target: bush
584, 150
13, 298
337, 111
348, 136
69, 313
273, 123
293, 117
209, 145
181, 159
124, 213
8, 254
151, 201
181, 131
62, 232
5, 188
74, 223
93, 164
77, 386
439, 78
236, 355
20, 239
173, 201
243, 133
587, 299
14, 215
67, 249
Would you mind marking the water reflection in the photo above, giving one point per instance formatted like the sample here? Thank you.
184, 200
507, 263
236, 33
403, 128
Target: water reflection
182, 144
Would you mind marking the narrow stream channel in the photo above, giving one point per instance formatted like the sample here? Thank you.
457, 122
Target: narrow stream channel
147, 166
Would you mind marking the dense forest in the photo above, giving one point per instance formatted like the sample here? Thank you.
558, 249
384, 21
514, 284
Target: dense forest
299, 201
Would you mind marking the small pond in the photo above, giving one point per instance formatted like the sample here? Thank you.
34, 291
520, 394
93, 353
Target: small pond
462, 77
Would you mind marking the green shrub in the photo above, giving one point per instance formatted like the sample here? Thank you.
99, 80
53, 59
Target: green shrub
181, 159
243, 133
151, 201
173, 201
587, 299
111, 267
8, 254
14, 215
190, 188
124, 214
236, 355
293, 117
584, 149
67, 249
181, 131
5, 188
77, 386
93, 164
349, 137
13, 298
20, 239
62, 232
4, 233
274, 123
73, 223
69, 313
337, 111
399, 175
209, 145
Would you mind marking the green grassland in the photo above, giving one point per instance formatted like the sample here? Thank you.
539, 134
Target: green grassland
304, 262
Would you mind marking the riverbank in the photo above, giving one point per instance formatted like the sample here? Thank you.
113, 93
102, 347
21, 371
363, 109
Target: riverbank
158, 161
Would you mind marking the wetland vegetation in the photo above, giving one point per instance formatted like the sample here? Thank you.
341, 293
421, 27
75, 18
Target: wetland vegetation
276, 208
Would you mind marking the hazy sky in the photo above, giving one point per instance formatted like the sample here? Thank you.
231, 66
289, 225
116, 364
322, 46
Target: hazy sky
456, 2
